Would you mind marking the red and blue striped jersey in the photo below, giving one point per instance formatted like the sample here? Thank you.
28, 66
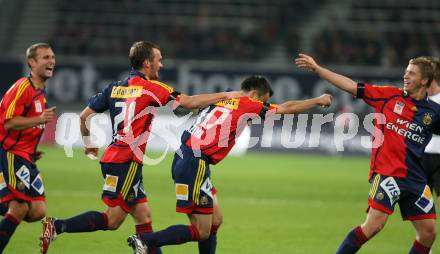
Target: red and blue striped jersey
217, 127
22, 99
131, 104
409, 125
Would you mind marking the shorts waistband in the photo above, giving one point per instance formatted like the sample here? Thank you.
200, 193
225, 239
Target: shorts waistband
187, 150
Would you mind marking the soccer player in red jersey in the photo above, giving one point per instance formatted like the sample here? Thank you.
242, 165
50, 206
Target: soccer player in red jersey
23, 115
129, 103
206, 142
396, 173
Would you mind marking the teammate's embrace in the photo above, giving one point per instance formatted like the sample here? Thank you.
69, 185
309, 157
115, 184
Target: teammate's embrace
396, 173
128, 102
206, 142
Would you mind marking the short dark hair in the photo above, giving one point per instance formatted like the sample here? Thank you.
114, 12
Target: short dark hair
139, 52
258, 83
31, 52
426, 68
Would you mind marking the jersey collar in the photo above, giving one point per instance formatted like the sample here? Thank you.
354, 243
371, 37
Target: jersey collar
134, 72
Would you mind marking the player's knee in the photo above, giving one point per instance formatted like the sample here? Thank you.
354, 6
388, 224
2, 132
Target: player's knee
427, 234
217, 220
114, 222
204, 233
35, 215
19, 210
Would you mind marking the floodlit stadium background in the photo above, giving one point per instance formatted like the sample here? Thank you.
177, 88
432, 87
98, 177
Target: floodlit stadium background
302, 200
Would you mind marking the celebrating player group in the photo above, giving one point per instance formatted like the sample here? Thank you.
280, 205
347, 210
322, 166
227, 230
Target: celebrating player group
397, 175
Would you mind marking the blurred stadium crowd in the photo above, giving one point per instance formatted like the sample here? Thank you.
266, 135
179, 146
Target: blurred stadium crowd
344, 32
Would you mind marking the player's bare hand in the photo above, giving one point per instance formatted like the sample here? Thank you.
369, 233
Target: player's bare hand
48, 115
325, 100
233, 95
91, 152
306, 62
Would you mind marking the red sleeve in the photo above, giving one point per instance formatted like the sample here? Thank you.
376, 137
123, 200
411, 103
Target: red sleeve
14, 100
163, 92
375, 95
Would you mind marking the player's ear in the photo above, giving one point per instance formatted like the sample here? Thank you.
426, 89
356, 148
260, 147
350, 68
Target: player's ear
146, 64
31, 62
425, 82
253, 94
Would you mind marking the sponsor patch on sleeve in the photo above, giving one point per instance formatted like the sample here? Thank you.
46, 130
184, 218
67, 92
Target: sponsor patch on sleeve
111, 182
182, 191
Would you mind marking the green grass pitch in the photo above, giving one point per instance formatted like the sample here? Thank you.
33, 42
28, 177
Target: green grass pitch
272, 203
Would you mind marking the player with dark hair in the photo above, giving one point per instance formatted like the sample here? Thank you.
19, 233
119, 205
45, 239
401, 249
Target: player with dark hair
205, 143
23, 115
129, 102
396, 173
431, 159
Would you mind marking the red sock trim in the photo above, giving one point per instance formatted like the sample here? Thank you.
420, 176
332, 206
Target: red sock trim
144, 228
421, 248
105, 216
11, 218
360, 236
194, 233
214, 229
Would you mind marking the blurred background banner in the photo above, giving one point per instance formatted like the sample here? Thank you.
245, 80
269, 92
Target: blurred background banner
209, 46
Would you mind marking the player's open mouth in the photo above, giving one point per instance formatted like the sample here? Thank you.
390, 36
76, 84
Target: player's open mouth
49, 69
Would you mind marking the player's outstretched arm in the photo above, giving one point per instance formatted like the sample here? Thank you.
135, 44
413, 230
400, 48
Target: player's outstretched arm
338, 80
204, 100
84, 117
292, 107
22, 122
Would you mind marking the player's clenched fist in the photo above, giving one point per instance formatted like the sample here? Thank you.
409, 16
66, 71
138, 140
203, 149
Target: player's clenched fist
325, 100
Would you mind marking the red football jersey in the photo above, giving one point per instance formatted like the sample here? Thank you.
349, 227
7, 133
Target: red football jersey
131, 105
22, 99
217, 127
408, 127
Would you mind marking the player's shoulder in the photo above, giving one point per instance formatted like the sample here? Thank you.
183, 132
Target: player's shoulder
159, 84
19, 88
232, 104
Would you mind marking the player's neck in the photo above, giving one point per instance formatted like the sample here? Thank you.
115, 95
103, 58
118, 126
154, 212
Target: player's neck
418, 95
37, 82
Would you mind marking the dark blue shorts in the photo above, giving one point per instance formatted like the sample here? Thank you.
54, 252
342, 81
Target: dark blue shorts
194, 190
415, 199
123, 185
19, 179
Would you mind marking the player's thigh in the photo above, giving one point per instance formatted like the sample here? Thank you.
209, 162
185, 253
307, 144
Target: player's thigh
37, 210
141, 213
217, 218
425, 226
